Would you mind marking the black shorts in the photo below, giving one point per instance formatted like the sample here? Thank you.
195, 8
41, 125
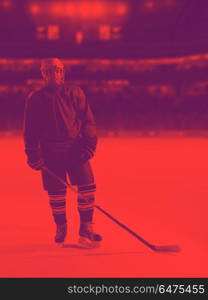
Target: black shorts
64, 163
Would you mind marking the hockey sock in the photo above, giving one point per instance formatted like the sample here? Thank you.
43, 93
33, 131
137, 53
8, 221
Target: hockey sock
58, 205
86, 203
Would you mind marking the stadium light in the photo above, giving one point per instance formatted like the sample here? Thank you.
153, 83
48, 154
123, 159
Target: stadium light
6, 4
149, 4
121, 9
87, 9
79, 9
34, 9
99, 9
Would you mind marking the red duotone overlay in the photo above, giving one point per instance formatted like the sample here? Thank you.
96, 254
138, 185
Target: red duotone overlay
150, 165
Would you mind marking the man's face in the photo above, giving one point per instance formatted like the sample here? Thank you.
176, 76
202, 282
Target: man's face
53, 75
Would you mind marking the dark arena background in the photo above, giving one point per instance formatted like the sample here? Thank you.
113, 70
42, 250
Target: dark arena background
143, 65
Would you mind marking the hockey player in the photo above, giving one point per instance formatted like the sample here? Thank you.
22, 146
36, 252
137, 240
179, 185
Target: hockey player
60, 134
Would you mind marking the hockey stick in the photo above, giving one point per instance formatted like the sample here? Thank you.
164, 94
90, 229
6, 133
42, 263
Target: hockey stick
164, 248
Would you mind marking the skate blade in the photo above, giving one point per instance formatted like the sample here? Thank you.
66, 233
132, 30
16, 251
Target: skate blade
59, 245
85, 242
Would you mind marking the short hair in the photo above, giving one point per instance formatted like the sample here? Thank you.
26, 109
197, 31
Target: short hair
51, 62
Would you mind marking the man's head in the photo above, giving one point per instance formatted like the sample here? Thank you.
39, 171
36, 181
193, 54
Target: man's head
52, 70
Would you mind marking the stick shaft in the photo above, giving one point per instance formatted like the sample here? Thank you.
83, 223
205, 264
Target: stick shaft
152, 247
65, 183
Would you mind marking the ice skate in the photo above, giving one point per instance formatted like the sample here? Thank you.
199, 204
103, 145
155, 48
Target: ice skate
87, 237
61, 232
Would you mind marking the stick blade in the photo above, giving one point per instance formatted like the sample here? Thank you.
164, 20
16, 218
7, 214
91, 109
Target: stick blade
167, 248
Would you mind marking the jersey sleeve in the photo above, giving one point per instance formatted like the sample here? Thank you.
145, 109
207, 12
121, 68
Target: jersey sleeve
88, 127
31, 129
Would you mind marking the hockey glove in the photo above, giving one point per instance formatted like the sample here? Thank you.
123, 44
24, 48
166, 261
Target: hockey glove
37, 165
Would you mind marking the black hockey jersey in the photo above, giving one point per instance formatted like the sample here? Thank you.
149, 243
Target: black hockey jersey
55, 116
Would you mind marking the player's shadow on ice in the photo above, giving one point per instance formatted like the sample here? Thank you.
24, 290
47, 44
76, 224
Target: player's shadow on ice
80, 247
75, 246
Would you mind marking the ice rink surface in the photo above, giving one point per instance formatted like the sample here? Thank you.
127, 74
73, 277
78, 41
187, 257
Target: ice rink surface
156, 186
